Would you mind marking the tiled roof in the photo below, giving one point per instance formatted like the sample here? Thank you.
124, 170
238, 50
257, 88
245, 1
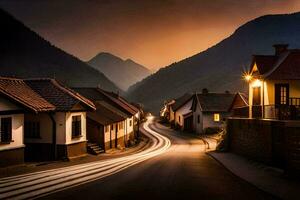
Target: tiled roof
180, 101
61, 97
100, 96
284, 66
264, 63
288, 68
104, 115
121, 102
18, 91
215, 102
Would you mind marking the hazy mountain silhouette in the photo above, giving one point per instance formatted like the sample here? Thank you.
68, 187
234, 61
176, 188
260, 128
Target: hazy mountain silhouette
220, 67
25, 54
123, 73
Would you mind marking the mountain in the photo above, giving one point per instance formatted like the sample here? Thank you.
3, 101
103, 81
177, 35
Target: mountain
220, 67
123, 73
25, 54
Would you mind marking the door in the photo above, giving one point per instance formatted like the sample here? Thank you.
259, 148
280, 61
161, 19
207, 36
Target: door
282, 101
282, 94
256, 96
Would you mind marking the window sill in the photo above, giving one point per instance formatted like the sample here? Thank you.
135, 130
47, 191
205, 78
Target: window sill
77, 137
6, 142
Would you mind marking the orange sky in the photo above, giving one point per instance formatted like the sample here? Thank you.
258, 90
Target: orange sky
153, 33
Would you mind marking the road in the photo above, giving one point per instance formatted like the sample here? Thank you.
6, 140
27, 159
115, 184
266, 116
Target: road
163, 171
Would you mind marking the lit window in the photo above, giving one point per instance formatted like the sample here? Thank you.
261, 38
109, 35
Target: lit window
216, 117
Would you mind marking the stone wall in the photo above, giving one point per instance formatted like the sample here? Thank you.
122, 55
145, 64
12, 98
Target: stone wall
274, 142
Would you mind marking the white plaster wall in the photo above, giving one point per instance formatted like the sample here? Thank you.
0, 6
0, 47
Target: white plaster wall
182, 111
6, 105
198, 126
68, 130
17, 132
129, 129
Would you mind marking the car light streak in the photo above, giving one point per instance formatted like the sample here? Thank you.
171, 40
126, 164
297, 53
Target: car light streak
34, 185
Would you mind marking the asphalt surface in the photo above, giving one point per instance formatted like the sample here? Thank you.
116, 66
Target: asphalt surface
183, 172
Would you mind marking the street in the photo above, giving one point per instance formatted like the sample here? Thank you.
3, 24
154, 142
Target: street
179, 171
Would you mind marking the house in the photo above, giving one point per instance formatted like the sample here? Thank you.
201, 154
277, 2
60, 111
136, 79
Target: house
165, 112
116, 118
175, 111
41, 120
211, 109
268, 129
204, 110
274, 84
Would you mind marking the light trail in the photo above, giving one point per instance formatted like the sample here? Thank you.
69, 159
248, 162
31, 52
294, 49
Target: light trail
38, 184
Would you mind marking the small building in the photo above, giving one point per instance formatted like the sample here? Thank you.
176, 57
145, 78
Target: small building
175, 109
117, 117
197, 112
274, 84
42, 120
210, 110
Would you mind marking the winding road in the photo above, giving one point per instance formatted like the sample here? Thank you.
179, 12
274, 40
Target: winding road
162, 171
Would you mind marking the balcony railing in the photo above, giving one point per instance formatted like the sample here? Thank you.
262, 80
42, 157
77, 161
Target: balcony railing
280, 112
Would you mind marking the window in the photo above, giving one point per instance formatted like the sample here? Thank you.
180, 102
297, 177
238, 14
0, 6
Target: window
6, 129
32, 129
76, 126
216, 117
283, 95
130, 122
198, 119
112, 127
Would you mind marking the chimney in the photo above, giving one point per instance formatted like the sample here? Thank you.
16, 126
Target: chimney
280, 48
204, 91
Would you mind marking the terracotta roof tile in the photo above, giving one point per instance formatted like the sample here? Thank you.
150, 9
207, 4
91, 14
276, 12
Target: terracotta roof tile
63, 98
18, 91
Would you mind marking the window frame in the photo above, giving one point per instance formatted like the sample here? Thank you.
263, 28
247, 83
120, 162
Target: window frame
76, 126
8, 136
217, 117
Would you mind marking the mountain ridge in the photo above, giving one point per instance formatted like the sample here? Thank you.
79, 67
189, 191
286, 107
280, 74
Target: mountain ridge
220, 67
122, 72
25, 54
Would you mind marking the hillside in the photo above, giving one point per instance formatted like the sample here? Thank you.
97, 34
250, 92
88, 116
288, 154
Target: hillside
220, 67
24, 54
123, 73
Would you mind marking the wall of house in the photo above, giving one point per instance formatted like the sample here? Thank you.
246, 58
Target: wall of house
6, 105
294, 87
68, 130
198, 126
186, 108
17, 132
208, 119
45, 127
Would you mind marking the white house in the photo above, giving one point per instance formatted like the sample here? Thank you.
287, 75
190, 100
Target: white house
210, 110
42, 118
